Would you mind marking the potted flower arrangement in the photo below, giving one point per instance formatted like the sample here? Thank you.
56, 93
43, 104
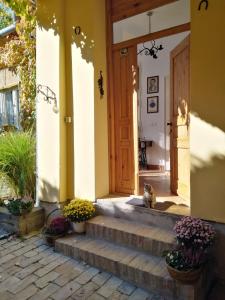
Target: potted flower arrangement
78, 211
194, 239
19, 207
57, 228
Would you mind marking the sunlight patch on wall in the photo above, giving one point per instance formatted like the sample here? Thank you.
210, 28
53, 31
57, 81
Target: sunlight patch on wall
206, 143
83, 94
48, 144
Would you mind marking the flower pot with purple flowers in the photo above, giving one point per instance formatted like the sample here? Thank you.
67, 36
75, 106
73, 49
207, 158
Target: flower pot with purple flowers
194, 239
57, 227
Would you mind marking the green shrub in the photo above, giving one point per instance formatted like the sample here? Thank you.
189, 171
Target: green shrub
17, 162
19, 207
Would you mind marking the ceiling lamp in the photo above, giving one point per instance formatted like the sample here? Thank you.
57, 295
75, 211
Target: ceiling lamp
153, 50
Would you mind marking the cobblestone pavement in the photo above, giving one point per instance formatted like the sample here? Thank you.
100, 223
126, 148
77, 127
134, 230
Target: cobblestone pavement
29, 269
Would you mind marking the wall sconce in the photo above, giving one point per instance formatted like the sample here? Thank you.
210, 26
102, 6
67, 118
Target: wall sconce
49, 96
100, 85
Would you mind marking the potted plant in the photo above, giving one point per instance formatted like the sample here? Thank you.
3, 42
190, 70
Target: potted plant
194, 239
19, 207
78, 211
17, 169
57, 228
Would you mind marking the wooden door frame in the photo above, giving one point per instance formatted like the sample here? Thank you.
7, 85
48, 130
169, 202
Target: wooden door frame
173, 145
110, 47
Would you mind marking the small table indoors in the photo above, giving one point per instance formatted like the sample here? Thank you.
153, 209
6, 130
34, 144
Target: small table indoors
142, 146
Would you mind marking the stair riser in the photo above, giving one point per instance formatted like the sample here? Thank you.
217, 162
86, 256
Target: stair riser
152, 246
137, 214
143, 279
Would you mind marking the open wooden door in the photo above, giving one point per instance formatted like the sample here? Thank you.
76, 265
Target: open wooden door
180, 105
125, 101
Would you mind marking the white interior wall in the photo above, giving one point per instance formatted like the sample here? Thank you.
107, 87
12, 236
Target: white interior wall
163, 17
152, 126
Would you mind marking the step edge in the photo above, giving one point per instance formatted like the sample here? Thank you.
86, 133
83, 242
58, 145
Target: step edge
166, 280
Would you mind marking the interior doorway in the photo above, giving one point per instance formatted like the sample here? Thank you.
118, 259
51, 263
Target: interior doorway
149, 102
163, 118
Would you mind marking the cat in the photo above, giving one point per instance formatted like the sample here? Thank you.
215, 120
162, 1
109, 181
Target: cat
149, 197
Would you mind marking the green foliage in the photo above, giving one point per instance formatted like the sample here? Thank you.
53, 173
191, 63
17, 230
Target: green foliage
17, 162
19, 207
5, 17
176, 260
2, 202
19, 54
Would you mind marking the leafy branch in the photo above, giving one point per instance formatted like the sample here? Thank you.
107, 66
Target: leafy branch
19, 55
5, 18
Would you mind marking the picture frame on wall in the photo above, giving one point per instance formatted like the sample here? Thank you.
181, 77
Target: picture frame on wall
153, 104
152, 84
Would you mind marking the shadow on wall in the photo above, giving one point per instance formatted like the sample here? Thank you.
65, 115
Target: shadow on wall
207, 143
51, 20
63, 22
47, 189
207, 168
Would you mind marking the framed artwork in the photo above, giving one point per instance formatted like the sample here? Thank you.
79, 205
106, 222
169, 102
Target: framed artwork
153, 105
152, 84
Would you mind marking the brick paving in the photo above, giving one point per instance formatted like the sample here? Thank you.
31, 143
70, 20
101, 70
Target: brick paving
29, 269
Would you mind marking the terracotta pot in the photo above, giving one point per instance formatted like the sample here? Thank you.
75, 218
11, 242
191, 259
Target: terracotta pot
186, 277
78, 227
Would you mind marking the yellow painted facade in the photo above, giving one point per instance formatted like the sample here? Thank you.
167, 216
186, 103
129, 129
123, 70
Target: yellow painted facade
51, 144
208, 111
73, 158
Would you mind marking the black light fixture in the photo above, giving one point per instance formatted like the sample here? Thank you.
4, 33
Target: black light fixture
153, 50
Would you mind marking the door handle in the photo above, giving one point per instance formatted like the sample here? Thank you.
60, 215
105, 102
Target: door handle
169, 124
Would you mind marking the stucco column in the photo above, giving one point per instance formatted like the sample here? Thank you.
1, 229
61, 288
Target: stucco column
51, 129
85, 58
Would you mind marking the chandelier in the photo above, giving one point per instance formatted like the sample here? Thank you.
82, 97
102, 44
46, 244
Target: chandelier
154, 49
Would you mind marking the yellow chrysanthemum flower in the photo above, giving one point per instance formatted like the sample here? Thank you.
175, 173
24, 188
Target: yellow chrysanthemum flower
79, 210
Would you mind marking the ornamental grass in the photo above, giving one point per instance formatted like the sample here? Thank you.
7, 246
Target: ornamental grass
17, 162
79, 210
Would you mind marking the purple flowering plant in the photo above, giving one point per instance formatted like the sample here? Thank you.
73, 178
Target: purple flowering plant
194, 238
194, 233
58, 225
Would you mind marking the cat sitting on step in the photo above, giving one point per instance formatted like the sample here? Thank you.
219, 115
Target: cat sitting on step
149, 197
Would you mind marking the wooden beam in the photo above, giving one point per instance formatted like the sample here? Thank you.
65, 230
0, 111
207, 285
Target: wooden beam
153, 36
122, 9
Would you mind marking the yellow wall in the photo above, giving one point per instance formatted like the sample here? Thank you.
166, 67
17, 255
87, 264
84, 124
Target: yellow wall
85, 57
72, 158
208, 111
101, 125
50, 125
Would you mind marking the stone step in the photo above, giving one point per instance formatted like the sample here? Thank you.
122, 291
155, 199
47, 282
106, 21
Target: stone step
150, 239
145, 271
122, 208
